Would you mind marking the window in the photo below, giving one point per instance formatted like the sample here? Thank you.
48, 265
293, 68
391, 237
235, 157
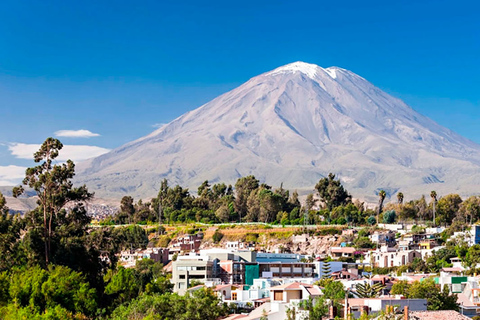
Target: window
182, 276
234, 296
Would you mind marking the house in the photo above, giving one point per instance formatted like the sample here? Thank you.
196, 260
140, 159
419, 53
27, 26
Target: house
293, 291
286, 269
345, 274
128, 258
357, 306
234, 272
342, 252
384, 238
224, 291
455, 283
237, 245
186, 243
388, 257
191, 267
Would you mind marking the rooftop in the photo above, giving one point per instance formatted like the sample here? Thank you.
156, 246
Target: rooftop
437, 315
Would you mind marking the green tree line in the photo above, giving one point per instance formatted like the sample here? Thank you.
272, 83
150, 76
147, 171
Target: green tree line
54, 265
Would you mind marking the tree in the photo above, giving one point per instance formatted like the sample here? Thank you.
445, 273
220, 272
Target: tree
381, 196
270, 205
363, 243
202, 304
332, 290
54, 188
470, 209
217, 236
447, 208
420, 209
422, 290
317, 308
223, 213
400, 198
365, 290
122, 285
371, 220
433, 195
400, 287
10, 226
126, 207
443, 300
332, 193
427, 289
293, 200
389, 216
243, 187
41, 291
326, 270
472, 258
151, 278
310, 201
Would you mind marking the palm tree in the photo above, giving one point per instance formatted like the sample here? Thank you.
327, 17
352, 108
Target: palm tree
400, 201
400, 198
382, 195
433, 195
365, 290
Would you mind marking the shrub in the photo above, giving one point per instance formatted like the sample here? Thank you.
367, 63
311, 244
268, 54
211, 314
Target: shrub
217, 236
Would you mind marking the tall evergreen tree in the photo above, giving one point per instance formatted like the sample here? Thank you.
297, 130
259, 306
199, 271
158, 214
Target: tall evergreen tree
243, 189
332, 193
326, 270
433, 195
54, 188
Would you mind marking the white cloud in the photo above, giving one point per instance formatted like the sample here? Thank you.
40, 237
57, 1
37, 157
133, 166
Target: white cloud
73, 152
76, 133
11, 175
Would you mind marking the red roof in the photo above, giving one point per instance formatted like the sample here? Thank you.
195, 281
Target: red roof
343, 249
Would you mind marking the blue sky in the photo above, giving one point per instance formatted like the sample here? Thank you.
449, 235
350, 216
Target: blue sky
119, 68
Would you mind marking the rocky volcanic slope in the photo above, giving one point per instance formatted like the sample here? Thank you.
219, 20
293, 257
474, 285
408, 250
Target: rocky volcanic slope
294, 125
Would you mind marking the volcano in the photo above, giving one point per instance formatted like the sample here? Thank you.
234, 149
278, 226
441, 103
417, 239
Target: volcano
294, 125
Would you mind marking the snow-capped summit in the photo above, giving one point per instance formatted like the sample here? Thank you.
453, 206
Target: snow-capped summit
294, 125
299, 66
311, 70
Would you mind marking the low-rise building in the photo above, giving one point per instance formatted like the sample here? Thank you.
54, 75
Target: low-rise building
388, 257
187, 243
128, 258
191, 267
342, 252
357, 306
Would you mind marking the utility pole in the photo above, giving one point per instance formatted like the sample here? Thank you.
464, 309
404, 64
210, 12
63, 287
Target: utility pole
346, 304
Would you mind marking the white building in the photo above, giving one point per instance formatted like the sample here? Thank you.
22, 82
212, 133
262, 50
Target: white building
391, 257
